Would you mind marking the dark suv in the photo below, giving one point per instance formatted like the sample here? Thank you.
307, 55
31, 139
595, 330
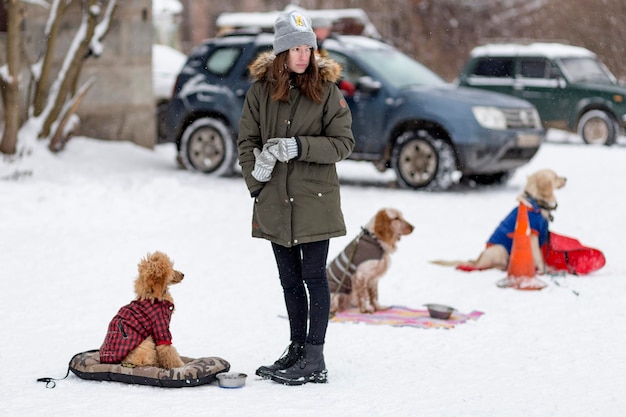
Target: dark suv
571, 88
405, 117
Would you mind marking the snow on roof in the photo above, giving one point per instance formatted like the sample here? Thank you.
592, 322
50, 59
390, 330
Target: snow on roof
547, 49
359, 42
265, 20
166, 7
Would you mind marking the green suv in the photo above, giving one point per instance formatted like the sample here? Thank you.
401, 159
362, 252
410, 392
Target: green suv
570, 87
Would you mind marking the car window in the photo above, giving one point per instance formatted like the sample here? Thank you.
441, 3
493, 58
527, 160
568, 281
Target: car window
586, 69
222, 60
196, 56
350, 71
397, 69
534, 68
500, 67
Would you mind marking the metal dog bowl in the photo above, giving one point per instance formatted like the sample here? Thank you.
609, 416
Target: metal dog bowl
231, 379
439, 311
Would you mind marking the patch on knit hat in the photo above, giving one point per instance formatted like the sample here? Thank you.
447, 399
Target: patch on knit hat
293, 29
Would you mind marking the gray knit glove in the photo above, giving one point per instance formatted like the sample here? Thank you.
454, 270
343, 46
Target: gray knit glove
263, 165
283, 149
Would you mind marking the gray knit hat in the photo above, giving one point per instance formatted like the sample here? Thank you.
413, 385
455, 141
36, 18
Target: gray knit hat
293, 29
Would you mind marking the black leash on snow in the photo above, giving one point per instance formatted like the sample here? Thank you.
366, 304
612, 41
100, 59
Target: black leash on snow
51, 382
553, 278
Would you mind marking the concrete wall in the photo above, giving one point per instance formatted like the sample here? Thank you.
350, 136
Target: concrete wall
120, 105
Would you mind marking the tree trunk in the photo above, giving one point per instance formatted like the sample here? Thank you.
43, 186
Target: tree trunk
73, 67
43, 81
10, 86
60, 137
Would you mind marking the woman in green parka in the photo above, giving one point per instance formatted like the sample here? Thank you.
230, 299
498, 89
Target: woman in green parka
294, 128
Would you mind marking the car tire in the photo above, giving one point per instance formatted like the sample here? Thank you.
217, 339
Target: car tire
597, 127
207, 146
423, 162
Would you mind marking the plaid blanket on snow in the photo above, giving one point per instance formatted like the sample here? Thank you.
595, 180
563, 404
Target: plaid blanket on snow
404, 316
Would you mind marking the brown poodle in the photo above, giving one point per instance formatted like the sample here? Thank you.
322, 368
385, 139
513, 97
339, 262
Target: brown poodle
139, 334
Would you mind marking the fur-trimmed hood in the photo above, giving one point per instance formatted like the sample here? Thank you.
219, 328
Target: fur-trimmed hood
329, 69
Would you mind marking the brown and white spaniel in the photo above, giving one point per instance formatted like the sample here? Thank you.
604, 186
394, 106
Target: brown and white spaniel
354, 274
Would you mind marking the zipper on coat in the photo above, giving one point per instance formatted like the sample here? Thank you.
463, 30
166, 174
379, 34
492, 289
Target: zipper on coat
291, 114
120, 326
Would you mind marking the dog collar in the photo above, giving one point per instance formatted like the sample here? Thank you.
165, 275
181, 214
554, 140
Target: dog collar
543, 205
367, 232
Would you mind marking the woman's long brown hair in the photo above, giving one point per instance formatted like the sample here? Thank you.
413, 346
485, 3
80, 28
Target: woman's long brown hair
308, 82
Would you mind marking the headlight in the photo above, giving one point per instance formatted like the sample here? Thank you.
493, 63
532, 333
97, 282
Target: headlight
490, 117
537, 119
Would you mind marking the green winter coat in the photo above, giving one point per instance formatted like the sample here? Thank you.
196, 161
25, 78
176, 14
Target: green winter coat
301, 202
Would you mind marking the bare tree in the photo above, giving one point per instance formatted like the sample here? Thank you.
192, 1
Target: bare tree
9, 78
55, 93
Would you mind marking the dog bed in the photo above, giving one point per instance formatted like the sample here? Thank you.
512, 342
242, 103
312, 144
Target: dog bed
194, 372
564, 253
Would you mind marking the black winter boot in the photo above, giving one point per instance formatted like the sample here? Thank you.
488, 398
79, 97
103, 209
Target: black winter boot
309, 368
289, 357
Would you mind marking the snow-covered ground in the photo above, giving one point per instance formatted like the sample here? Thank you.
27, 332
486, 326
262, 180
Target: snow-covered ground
73, 232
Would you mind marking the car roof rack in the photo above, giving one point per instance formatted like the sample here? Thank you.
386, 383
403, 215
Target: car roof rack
351, 21
249, 31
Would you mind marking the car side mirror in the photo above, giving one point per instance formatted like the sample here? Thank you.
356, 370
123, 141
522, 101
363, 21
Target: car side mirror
367, 84
555, 73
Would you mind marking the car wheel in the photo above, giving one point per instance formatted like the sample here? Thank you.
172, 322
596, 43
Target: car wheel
423, 162
596, 127
207, 146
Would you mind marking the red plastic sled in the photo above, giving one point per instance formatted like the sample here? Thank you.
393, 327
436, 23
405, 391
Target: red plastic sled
468, 268
564, 253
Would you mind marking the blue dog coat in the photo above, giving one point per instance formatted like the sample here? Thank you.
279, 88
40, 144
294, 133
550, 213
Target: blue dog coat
503, 235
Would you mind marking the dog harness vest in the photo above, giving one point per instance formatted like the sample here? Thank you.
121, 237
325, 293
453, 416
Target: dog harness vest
503, 233
339, 272
132, 324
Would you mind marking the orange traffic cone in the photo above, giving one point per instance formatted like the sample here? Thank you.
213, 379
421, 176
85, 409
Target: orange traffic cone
521, 271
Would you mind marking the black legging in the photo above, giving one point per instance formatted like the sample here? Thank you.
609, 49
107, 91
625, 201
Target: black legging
298, 265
